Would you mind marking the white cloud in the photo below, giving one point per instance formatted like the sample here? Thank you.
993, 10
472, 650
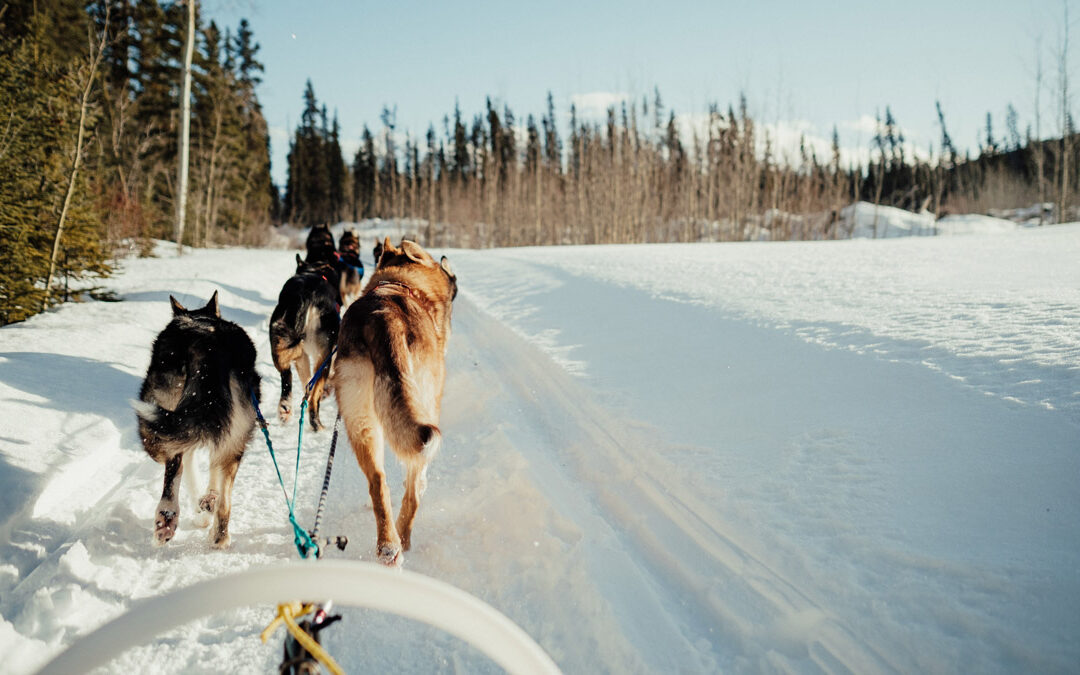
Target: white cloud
865, 124
596, 103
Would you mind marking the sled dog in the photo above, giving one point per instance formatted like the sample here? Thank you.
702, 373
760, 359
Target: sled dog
303, 330
197, 392
388, 378
320, 245
350, 269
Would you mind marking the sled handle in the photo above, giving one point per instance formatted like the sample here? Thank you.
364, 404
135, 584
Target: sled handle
358, 584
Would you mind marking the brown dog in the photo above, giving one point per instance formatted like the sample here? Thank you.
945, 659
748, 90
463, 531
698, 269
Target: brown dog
388, 377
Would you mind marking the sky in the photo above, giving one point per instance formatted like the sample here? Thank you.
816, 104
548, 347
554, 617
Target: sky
803, 66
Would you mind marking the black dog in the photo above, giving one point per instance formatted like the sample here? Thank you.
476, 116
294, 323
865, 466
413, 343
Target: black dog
303, 330
349, 267
198, 391
320, 245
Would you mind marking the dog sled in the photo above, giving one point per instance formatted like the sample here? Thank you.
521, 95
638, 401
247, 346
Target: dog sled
407, 594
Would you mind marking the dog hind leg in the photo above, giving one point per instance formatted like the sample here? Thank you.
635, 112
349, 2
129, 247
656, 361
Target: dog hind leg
208, 501
284, 356
415, 484
224, 467
225, 458
354, 387
168, 509
316, 395
303, 369
203, 515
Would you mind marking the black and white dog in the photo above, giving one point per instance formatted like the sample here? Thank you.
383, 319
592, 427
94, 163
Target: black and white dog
304, 329
198, 392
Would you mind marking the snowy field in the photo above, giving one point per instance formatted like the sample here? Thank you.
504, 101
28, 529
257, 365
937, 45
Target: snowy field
851, 456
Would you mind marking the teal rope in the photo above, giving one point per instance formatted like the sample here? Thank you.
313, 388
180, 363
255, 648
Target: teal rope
299, 444
305, 545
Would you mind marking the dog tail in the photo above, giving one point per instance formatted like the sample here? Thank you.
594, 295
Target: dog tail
286, 326
202, 408
406, 414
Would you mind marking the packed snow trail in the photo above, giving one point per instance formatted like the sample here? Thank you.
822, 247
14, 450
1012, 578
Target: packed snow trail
692, 491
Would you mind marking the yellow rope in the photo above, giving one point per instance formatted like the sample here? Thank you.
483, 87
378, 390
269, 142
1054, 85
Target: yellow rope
287, 613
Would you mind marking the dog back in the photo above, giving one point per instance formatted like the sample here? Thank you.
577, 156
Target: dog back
201, 368
392, 344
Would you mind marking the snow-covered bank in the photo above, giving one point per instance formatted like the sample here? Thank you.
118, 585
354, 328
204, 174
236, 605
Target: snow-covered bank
1001, 313
800, 457
863, 220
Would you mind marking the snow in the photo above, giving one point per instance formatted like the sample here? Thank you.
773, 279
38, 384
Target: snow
866, 220
810, 456
876, 221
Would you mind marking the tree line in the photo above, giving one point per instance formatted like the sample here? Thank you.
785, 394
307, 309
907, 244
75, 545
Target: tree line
89, 114
639, 176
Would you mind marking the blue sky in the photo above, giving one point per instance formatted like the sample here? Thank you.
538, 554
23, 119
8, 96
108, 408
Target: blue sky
804, 66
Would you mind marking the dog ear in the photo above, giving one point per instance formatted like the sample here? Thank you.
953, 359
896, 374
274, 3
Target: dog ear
444, 263
298, 259
387, 246
213, 306
413, 251
177, 308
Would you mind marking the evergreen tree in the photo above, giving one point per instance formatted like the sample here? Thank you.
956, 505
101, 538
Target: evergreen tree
363, 173
1012, 128
307, 199
552, 146
335, 170
36, 168
460, 168
991, 145
248, 68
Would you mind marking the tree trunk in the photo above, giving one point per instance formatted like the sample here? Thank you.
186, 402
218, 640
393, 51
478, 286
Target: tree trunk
185, 130
84, 105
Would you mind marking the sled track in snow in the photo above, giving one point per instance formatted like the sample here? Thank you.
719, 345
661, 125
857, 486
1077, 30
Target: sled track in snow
726, 594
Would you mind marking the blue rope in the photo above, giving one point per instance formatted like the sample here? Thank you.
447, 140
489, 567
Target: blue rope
305, 545
313, 380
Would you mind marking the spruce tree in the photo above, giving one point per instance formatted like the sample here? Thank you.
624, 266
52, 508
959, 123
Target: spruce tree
36, 162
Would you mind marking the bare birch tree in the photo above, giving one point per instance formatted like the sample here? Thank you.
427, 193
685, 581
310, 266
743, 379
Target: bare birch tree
95, 53
185, 129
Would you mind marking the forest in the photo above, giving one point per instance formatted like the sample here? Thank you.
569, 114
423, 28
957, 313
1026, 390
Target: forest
89, 121
490, 180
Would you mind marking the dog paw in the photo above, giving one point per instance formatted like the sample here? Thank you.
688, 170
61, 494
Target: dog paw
207, 503
220, 541
390, 555
165, 526
316, 425
284, 411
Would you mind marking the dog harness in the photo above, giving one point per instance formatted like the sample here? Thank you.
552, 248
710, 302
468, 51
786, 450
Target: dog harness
408, 289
